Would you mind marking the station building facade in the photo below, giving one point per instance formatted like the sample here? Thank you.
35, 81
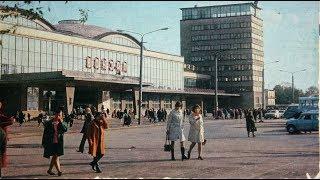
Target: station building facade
73, 64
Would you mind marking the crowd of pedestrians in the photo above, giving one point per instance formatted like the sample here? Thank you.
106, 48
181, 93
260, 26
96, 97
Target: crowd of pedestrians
156, 116
96, 122
238, 113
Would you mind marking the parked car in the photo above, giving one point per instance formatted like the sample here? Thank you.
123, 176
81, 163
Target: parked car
272, 114
308, 121
281, 112
292, 111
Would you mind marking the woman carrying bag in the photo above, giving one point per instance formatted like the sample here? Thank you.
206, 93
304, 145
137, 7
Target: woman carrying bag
52, 141
175, 126
196, 133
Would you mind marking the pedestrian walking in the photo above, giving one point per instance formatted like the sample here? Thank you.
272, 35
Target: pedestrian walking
175, 125
52, 141
260, 114
126, 119
40, 119
87, 120
255, 114
196, 132
29, 117
21, 117
96, 140
250, 124
5, 121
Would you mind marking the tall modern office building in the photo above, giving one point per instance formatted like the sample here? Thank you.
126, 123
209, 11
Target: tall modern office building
232, 33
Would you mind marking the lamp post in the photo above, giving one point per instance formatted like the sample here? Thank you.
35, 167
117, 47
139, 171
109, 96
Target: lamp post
216, 81
292, 79
141, 60
263, 95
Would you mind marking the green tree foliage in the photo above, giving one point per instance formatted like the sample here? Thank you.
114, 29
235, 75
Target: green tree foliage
284, 94
312, 91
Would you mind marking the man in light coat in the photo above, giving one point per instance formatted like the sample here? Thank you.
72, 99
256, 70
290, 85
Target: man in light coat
175, 126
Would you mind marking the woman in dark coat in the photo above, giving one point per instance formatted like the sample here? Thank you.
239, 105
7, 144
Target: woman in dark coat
52, 141
250, 123
5, 121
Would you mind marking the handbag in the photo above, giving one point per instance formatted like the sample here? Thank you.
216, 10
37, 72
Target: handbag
167, 145
204, 142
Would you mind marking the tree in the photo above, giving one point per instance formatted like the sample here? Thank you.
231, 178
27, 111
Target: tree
312, 91
284, 94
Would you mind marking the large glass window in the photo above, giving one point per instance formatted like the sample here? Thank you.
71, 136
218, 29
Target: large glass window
195, 13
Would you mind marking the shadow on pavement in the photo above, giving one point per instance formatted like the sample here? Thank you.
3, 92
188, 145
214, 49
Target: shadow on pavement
24, 146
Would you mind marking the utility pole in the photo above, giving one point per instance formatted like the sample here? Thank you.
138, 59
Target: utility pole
141, 66
140, 80
292, 79
216, 86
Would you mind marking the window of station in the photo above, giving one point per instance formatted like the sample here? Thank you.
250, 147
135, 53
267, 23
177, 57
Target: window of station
24, 54
32, 98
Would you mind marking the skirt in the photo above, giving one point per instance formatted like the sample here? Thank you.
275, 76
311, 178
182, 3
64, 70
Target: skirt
55, 149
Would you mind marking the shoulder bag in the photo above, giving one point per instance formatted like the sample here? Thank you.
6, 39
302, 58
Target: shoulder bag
167, 145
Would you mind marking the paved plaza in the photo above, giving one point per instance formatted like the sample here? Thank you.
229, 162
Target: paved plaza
137, 152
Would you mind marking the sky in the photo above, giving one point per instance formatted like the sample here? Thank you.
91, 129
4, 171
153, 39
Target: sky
291, 30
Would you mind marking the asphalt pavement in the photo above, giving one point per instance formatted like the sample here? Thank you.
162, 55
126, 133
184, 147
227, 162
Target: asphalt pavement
137, 152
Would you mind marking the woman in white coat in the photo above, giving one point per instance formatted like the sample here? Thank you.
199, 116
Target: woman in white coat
175, 126
196, 133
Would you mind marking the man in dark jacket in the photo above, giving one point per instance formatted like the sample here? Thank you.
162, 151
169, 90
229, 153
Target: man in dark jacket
21, 117
87, 120
255, 114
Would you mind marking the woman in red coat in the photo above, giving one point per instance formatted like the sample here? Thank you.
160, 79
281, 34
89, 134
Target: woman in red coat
4, 122
96, 139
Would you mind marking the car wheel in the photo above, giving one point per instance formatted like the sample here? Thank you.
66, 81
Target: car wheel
291, 129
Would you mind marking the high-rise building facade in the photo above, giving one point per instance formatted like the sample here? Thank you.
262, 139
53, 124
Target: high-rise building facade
232, 33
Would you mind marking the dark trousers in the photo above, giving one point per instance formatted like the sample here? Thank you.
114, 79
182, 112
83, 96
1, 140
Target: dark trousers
83, 141
97, 158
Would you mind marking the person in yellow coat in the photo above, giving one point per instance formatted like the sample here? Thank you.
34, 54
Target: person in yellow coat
96, 139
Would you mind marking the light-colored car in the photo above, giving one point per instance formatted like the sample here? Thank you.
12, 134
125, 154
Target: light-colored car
281, 112
308, 121
272, 114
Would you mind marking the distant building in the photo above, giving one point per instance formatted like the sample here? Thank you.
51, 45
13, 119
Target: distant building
235, 29
270, 97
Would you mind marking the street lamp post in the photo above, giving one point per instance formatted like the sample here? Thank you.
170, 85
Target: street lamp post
216, 82
141, 61
263, 95
292, 79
